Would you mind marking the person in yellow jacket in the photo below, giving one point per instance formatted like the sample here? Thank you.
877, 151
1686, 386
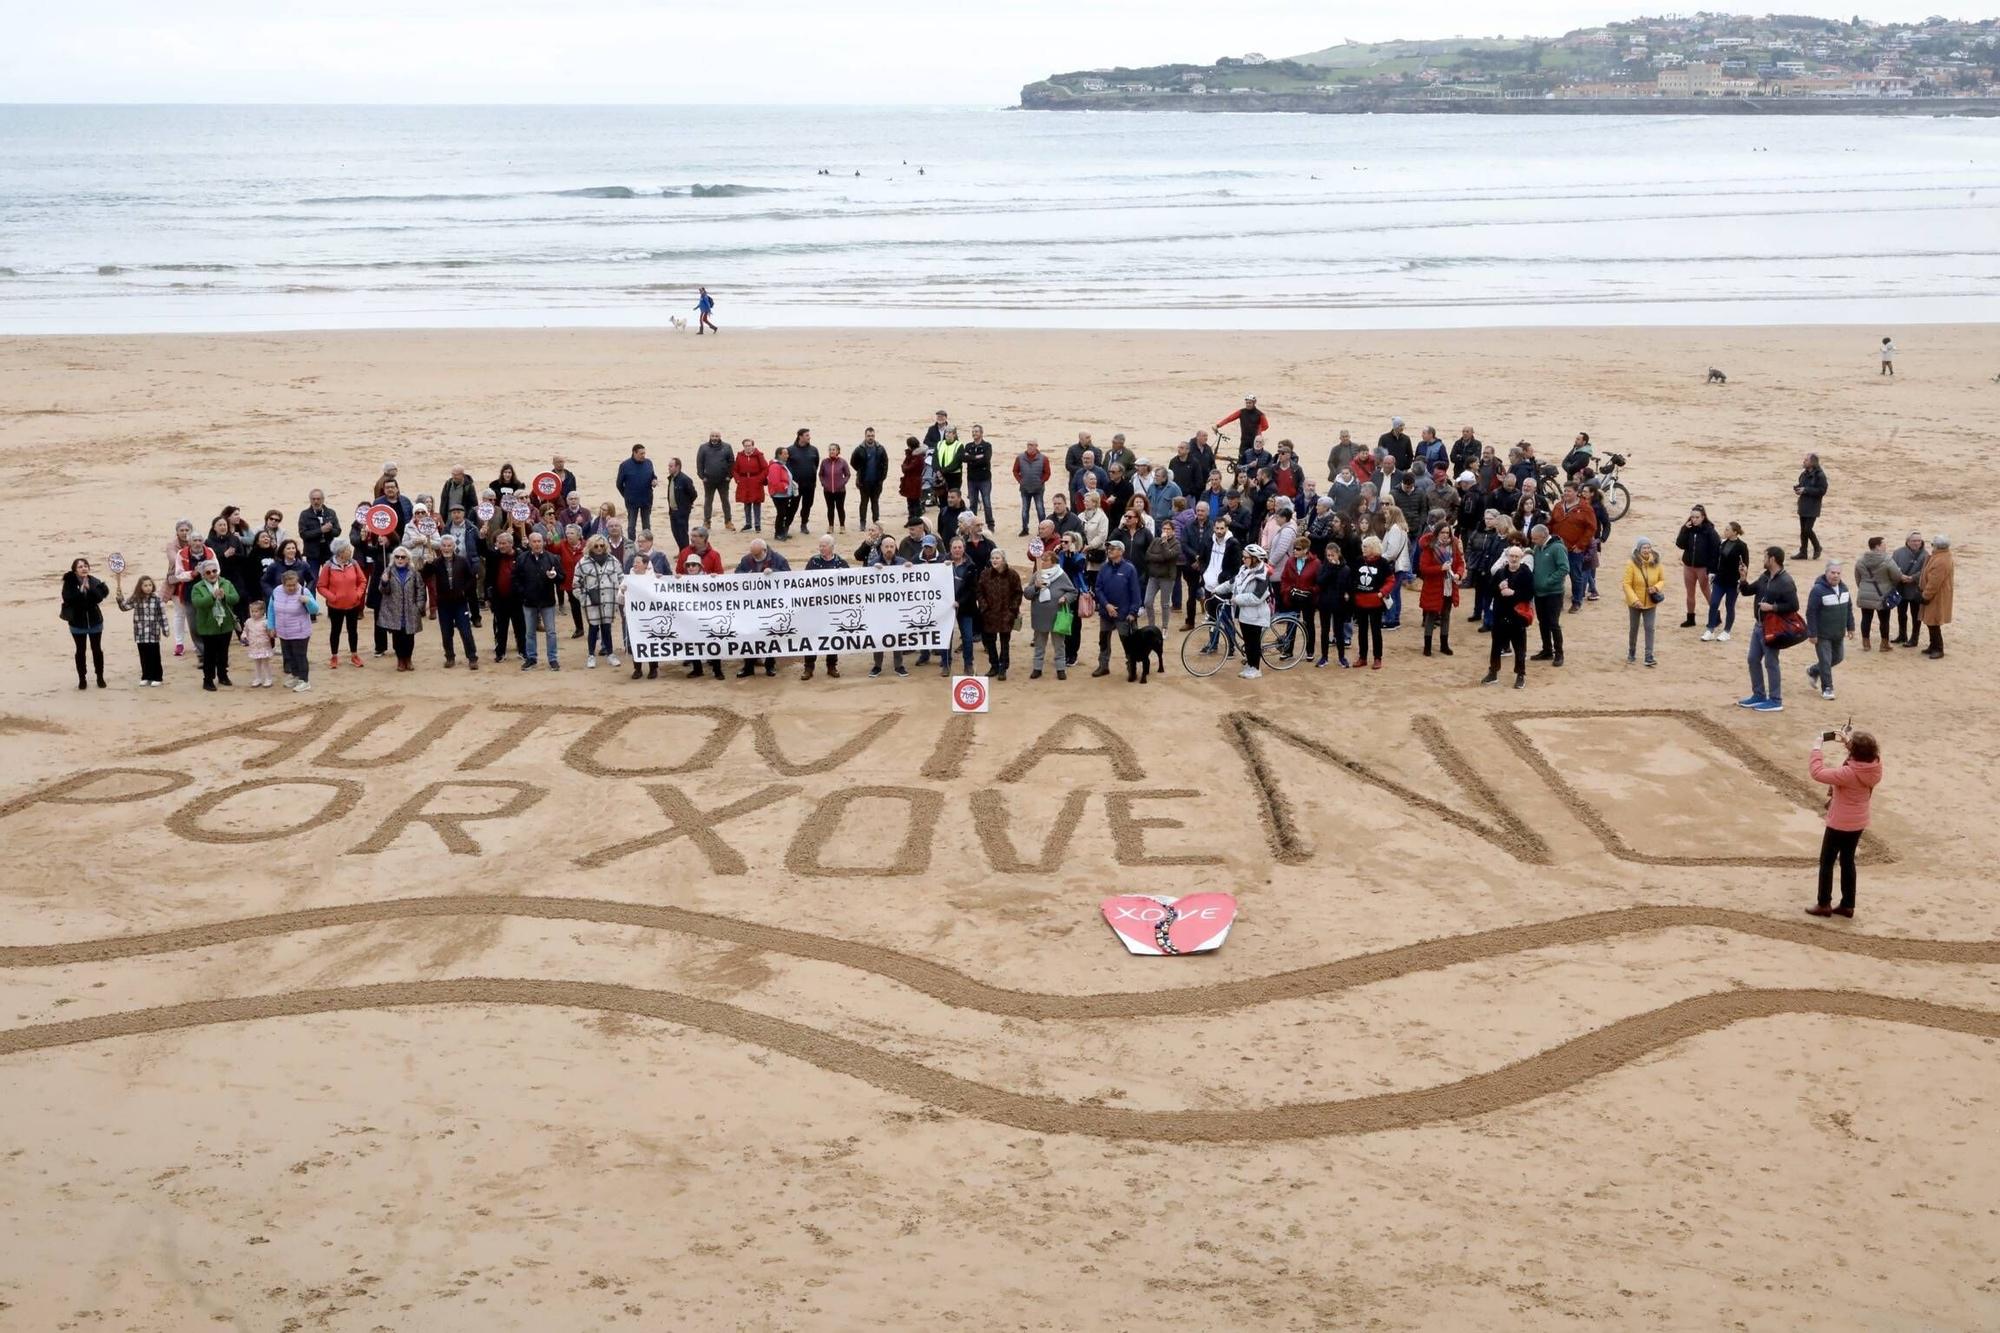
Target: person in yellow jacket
1645, 589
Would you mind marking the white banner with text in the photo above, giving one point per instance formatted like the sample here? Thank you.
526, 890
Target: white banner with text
802, 613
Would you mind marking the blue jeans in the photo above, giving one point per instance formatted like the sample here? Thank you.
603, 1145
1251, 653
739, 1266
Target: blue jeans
968, 634
1718, 596
1763, 663
1031, 498
597, 634
542, 618
1392, 605
1581, 581
979, 499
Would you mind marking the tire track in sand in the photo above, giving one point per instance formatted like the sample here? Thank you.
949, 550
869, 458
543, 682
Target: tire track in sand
1559, 1068
952, 987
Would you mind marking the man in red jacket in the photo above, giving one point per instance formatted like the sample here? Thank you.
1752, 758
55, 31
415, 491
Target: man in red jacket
1250, 424
706, 557
1574, 522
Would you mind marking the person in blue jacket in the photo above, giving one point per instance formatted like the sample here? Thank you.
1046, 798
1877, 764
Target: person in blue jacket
636, 480
1120, 596
706, 305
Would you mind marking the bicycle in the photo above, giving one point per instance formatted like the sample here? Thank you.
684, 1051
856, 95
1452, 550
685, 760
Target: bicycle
1212, 644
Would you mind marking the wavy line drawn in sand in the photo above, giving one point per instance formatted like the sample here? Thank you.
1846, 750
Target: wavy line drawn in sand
1785, 783
1538, 1076
1509, 832
954, 988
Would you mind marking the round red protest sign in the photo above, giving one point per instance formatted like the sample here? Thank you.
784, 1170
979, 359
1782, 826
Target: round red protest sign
382, 519
547, 485
968, 695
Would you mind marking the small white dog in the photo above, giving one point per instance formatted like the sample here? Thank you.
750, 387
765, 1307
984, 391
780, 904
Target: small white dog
679, 322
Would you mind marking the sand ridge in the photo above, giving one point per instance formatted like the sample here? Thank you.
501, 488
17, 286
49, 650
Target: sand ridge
1561, 1067
960, 991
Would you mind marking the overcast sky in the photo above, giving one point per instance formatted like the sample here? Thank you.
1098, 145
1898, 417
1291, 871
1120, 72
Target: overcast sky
756, 51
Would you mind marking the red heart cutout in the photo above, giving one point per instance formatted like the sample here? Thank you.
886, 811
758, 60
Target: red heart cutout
1194, 924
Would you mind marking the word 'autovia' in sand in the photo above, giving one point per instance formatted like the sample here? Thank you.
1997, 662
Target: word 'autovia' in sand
316, 767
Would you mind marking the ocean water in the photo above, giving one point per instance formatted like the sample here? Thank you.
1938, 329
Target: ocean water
175, 218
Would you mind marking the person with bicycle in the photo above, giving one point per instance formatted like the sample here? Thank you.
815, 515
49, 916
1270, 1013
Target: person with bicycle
1225, 560
1250, 596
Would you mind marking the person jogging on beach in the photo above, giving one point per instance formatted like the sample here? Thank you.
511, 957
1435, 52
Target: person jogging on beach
706, 305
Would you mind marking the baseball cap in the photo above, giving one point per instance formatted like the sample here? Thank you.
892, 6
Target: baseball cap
1467, 476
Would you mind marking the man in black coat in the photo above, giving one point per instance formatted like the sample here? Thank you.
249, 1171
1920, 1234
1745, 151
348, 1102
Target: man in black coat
715, 464
1398, 444
802, 459
870, 462
978, 459
680, 502
538, 581
1811, 490
318, 526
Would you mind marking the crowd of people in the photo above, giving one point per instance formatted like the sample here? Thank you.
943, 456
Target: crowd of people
1134, 543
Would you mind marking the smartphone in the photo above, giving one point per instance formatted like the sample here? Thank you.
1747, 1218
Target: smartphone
1829, 735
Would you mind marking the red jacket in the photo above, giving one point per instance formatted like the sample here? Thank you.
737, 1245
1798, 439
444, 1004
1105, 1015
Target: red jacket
750, 472
778, 480
913, 474
1574, 525
1257, 424
711, 560
569, 555
343, 589
1292, 579
1433, 573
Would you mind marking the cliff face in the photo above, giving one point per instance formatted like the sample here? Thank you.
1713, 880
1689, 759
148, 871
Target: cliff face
1053, 97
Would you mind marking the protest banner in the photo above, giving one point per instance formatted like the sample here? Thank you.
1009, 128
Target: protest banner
802, 613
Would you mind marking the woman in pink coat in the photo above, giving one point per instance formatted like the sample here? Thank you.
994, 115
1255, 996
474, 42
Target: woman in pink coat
1852, 784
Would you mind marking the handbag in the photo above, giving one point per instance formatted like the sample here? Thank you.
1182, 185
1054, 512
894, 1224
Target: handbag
1526, 611
1065, 621
1893, 600
1783, 631
1086, 605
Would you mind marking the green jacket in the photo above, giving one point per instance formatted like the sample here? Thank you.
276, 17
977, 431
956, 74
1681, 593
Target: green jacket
214, 611
1551, 568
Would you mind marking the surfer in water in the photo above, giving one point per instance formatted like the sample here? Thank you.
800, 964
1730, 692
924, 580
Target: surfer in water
706, 305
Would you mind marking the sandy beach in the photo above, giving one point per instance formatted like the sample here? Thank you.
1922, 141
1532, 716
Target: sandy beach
448, 1002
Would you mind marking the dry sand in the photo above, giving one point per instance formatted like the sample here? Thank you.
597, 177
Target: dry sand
444, 1002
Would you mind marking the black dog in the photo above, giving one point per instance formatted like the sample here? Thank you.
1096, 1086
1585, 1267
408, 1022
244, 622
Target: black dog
1141, 647
1717, 377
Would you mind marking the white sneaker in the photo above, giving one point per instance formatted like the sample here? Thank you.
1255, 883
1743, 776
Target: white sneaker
1250, 673
1826, 693
590, 661
612, 658
302, 687
1708, 636
1722, 637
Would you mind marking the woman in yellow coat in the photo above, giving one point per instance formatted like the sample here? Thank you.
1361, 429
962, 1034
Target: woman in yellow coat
1645, 589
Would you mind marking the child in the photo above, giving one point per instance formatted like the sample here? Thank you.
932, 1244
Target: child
1888, 358
289, 618
149, 625
259, 640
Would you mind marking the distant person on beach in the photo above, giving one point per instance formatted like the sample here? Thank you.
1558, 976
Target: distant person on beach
1888, 358
705, 304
